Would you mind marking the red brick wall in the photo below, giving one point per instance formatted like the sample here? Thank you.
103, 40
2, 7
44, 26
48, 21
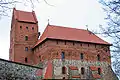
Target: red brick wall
18, 43
51, 50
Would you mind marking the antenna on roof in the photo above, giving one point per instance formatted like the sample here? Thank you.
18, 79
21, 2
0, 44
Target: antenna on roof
48, 21
87, 27
88, 30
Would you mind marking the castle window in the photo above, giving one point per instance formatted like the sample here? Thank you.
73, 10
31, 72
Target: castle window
26, 48
40, 58
26, 38
65, 42
20, 27
26, 60
99, 71
32, 28
63, 70
82, 71
88, 45
63, 55
95, 45
81, 56
80, 44
98, 57
57, 42
73, 43
26, 27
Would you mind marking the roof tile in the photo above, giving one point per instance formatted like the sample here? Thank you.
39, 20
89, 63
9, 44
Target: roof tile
25, 16
65, 33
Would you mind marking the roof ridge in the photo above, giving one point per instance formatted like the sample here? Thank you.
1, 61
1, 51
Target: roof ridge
67, 27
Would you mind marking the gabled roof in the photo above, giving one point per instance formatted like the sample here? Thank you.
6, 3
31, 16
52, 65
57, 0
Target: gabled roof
73, 34
25, 16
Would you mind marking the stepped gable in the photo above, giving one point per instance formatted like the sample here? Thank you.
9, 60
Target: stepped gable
72, 34
25, 16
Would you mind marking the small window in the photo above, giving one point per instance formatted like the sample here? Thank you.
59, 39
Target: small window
32, 28
26, 38
40, 58
82, 71
26, 60
88, 45
95, 45
80, 44
63, 55
81, 56
65, 42
73, 43
57, 42
26, 27
98, 57
99, 71
63, 70
20, 27
26, 48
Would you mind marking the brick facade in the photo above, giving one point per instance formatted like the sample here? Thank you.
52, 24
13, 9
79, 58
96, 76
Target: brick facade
59, 49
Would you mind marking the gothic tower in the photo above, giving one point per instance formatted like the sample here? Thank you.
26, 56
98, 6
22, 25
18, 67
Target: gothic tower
23, 36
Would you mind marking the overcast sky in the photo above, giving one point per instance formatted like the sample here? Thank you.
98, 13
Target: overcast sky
69, 13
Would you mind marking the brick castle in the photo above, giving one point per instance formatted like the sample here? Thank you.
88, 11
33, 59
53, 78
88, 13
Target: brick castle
64, 53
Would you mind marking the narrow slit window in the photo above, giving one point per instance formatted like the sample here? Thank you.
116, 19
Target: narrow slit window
63, 70
99, 71
82, 71
27, 28
26, 48
81, 56
26, 38
63, 55
20, 27
98, 57
26, 60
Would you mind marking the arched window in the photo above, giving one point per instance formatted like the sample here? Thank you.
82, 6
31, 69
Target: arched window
82, 71
63, 70
32, 28
26, 48
63, 55
26, 60
98, 57
26, 27
99, 71
81, 56
20, 27
26, 38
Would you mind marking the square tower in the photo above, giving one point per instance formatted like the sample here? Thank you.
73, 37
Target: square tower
23, 35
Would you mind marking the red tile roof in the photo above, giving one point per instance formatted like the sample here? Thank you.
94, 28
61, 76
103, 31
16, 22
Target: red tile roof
96, 76
75, 76
25, 16
65, 33
73, 67
48, 74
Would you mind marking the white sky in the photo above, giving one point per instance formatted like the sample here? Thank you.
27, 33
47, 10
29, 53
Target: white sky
69, 13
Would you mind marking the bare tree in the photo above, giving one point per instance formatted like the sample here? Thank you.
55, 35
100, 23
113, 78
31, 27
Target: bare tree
7, 5
112, 30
